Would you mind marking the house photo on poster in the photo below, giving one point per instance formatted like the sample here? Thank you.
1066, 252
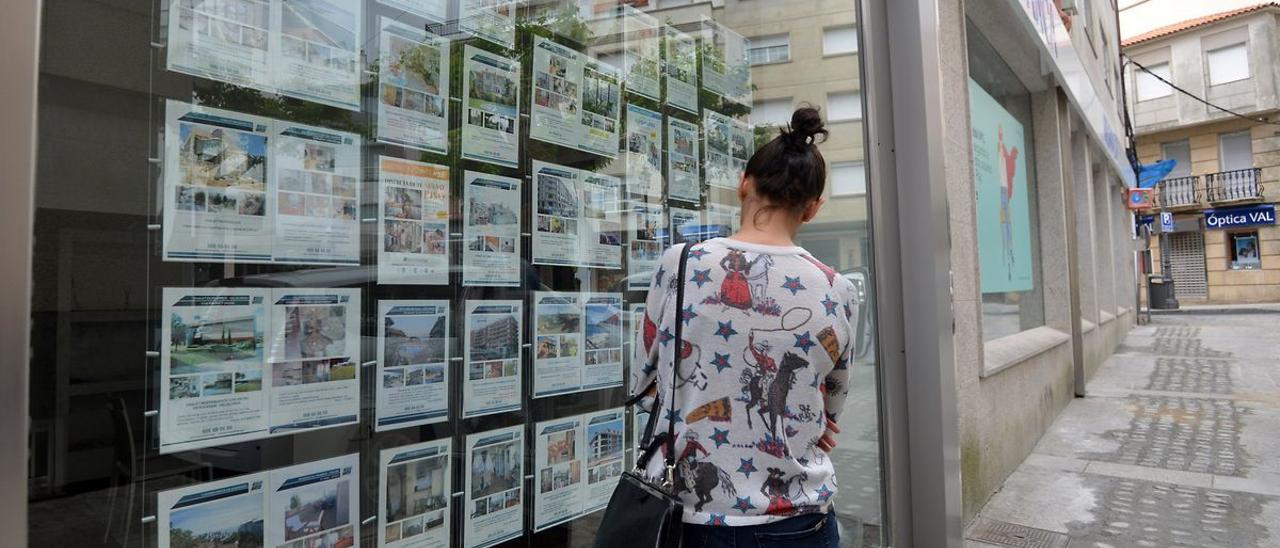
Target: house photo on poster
491, 381
415, 491
493, 507
490, 230
1000, 174
413, 363
413, 224
491, 107
413, 88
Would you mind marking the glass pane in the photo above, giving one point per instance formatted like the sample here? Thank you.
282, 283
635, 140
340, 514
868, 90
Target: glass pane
371, 272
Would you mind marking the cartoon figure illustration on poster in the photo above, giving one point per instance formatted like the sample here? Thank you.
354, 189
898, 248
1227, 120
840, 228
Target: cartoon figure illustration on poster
413, 224
494, 507
413, 88
490, 113
491, 230
415, 490
1004, 218
493, 357
413, 363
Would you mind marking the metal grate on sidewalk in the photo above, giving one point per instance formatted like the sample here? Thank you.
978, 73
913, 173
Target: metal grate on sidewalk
1003, 533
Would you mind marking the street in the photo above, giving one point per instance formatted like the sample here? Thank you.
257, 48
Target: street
1176, 444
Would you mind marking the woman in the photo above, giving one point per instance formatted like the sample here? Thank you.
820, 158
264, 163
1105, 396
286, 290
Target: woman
758, 397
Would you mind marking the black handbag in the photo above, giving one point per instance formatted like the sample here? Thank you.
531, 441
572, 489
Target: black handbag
642, 513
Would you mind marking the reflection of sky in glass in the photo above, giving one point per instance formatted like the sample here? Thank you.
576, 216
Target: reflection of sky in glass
228, 513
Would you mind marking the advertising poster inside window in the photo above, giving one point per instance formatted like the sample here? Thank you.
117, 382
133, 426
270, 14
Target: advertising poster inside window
211, 389
601, 105
602, 340
728, 147
229, 512
721, 219
490, 20
686, 225
314, 504
644, 152
415, 489
432, 10
494, 508
318, 52
575, 100
215, 161
558, 196
605, 448
413, 363
557, 480
557, 343
683, 172
494, 352
491, 107
1004, 218
228, 41
645, 240
413, 88
726, 67
317, 180
314, 359
491, 230
641, 53
681, 70
601, 221
413, 224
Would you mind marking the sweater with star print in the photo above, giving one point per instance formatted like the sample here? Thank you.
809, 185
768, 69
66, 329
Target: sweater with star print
767, 345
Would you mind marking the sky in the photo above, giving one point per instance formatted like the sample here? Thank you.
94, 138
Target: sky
1139, 16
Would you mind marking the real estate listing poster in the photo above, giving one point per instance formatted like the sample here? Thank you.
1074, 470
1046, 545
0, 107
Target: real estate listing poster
601, 224
683, 173
314, 358
317, 181
557, 343
712, 50
737, 81
641, 53
491, 107
722, 219
555, 114
644, 152
227, 512
413, 223
558, 196
681, 70
215, 185
224, 40
432, 10
491, 20
494, 508
645, 236
494, 351
211, 390
414, 487
491, 230
318, 53
413, 363
602, 338
728, 146
558, 456
413, 88
686, 225
605, 448
601, 105
314, 504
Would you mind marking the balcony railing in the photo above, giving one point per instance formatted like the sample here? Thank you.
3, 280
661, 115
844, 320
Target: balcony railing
1179, 192
1234, 186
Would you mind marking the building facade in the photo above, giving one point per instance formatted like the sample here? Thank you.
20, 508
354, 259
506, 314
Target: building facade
1225, 245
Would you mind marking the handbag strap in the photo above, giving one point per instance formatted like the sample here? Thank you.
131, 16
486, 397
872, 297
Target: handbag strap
675, 366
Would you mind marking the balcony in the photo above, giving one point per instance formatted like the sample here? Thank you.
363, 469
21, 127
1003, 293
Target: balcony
1179, 192
1241, 185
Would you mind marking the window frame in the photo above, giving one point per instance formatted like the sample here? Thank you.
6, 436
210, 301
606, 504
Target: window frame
790, 102
1139, 75
1243, 46
752, 48
849, 163
1231, 256
851, 28
1222, 149
831, 112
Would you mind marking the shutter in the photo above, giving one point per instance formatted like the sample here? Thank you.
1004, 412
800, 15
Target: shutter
1186, 258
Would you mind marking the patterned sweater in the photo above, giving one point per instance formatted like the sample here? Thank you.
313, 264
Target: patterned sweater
768, 334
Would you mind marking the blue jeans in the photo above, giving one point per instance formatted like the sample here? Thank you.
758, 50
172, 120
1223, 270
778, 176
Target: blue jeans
808, 531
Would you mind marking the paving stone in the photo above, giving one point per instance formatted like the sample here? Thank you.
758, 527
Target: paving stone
1180, 433
1199, 375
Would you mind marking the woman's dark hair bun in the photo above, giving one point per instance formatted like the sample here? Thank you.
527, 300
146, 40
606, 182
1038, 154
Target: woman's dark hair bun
806, 128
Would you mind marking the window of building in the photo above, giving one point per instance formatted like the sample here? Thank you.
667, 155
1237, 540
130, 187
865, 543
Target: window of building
775, 112
1005, 183
1179, 151
1228, 64
1244, 250
839, 40
763, 50
1149, 84
848, 178
844, 105
1235, 150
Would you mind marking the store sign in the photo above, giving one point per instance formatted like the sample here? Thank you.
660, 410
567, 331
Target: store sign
1166, 222
1240, 217
1141, 198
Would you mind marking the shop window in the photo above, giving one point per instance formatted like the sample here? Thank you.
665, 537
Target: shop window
763, 50
839, 40
844, 105
1005, 183
1149, 84
1244, 250
848, 178
1228, 64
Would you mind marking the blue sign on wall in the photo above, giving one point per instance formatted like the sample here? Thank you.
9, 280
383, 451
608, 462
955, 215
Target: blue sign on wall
1240, 217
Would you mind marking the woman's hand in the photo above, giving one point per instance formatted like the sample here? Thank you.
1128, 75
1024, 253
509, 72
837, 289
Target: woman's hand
828, 441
